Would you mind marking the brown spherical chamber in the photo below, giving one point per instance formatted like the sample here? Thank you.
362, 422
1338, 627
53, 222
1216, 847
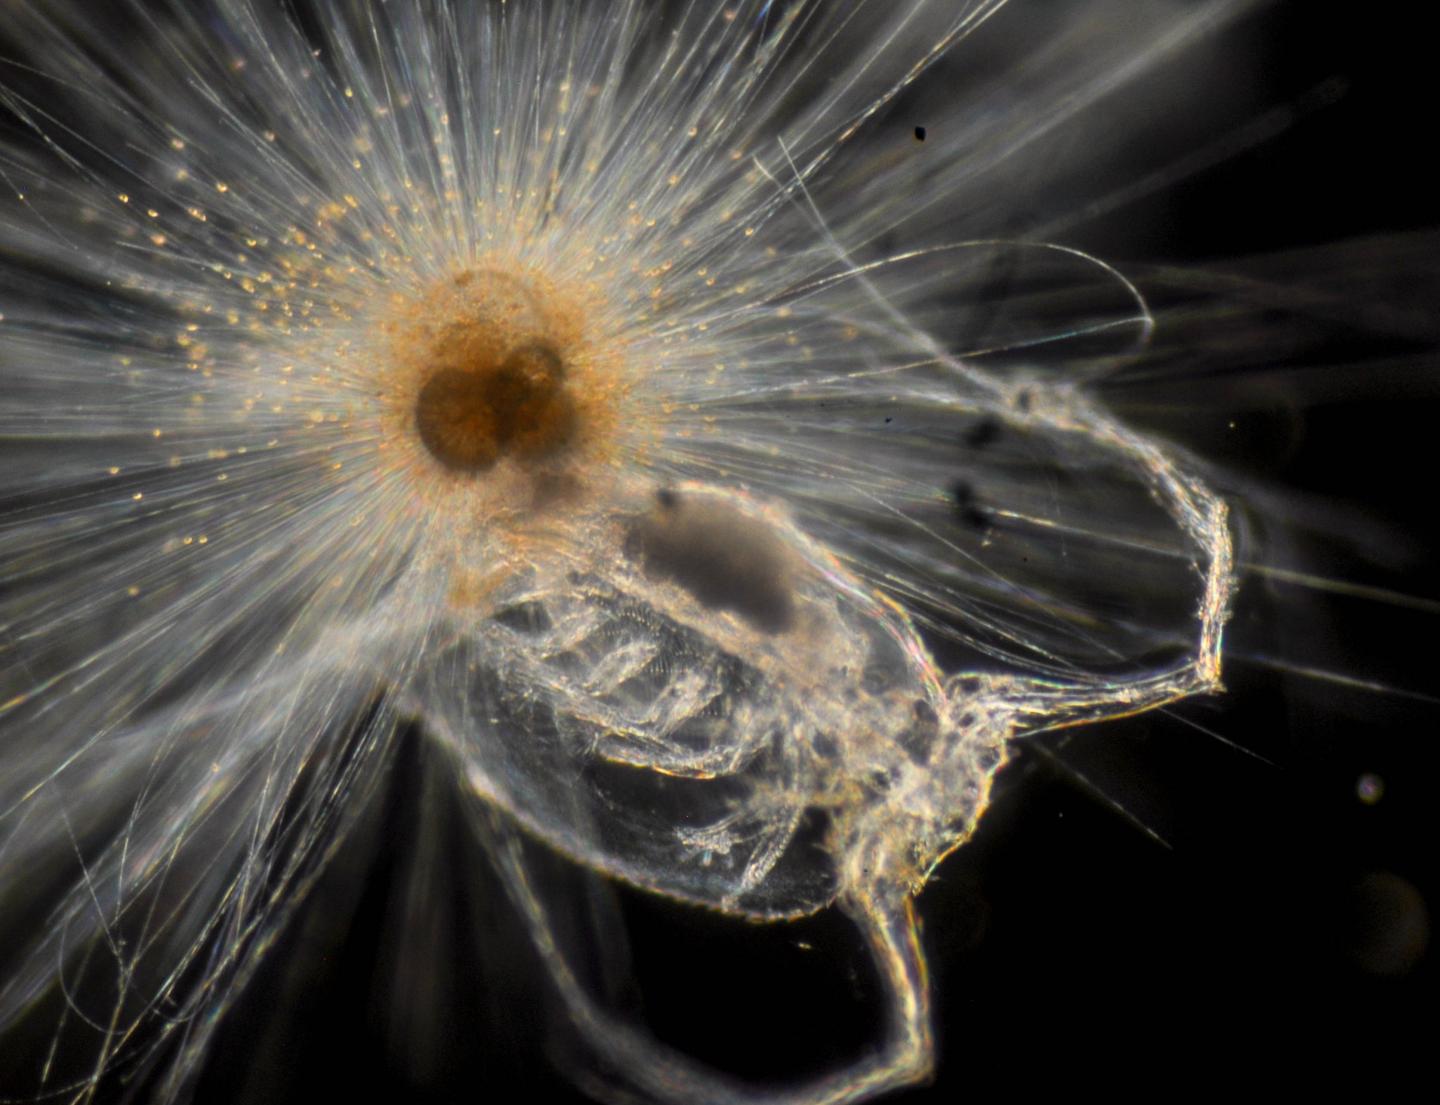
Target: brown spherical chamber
469, 417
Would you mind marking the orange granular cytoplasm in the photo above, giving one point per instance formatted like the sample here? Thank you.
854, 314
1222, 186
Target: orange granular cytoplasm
495, 365
501, 376
510, 421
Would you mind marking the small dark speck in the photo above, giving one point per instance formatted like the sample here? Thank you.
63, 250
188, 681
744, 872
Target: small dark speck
889, 419
666, 498
983, 433
919, 134
969, 511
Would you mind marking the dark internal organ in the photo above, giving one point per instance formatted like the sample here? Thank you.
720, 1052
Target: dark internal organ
723, 558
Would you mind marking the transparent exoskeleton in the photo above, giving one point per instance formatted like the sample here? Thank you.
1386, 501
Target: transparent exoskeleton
686, 688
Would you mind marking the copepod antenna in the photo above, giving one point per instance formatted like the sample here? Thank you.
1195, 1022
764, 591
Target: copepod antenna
887, 923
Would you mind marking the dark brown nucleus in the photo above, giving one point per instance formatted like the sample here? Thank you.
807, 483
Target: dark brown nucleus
469, 415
